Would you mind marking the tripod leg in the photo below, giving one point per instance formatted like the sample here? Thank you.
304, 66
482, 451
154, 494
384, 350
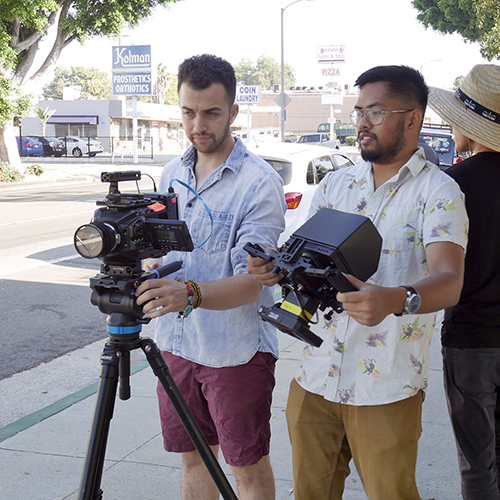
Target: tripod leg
90, 485
161, 370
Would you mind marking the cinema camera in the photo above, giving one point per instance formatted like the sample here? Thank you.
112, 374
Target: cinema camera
312, 262
129, 228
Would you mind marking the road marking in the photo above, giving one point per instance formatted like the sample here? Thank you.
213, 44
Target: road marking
66, 195
40, 264
44, 218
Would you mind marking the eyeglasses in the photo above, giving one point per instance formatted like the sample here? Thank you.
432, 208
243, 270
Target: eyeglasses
374, 116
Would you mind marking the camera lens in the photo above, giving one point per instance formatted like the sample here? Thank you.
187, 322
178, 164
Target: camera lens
95, 240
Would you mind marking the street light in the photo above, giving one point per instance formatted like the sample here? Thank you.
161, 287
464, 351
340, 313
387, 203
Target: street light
283, 104
428, 62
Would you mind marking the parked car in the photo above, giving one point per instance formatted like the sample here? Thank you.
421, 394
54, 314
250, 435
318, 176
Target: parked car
51, 146
30, 146
342, 130
79, 146
320, 139
440, 139
301, 166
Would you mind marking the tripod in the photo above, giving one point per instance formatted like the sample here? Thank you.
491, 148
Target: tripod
124, 330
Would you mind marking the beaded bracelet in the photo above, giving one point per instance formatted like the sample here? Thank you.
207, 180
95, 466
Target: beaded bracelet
197, 291
190, 306
194, 298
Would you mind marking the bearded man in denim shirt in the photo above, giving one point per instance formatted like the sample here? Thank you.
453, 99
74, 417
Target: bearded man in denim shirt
219, 352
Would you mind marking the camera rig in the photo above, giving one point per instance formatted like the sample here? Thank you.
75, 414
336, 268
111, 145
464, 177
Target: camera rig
312, 262
129, 228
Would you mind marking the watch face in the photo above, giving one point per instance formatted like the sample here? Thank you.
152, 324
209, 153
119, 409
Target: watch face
413, 303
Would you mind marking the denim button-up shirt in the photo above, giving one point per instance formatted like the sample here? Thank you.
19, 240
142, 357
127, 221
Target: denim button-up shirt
246, 200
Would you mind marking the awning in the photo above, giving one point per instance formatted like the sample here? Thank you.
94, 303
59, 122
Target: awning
83, 119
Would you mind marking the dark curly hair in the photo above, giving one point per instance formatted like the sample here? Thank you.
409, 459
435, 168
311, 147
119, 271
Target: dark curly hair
202, 71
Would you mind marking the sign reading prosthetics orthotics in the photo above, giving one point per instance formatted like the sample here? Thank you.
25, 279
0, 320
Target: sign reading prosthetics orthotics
132, 70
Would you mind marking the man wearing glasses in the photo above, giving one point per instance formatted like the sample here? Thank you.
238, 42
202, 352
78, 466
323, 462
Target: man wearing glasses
359, 395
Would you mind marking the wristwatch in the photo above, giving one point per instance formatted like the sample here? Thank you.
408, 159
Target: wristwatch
412, 302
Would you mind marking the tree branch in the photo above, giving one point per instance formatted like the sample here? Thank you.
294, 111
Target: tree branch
61, 41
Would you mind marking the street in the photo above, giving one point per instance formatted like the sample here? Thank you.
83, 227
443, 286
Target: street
44, 283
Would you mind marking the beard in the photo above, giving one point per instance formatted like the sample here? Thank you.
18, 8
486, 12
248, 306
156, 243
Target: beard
383, 155
216, 142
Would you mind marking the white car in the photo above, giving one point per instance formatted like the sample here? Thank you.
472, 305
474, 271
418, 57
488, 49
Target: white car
301, 166
79, 146
320, 139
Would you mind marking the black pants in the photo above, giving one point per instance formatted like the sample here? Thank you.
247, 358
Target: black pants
472, 385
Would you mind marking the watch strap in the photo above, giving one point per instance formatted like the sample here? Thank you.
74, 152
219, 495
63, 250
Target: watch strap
409, 292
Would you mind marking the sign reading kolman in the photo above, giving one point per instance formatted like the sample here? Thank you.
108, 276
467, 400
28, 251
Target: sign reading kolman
132, 70
132, 57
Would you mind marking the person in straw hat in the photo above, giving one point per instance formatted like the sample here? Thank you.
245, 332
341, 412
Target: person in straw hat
471, 329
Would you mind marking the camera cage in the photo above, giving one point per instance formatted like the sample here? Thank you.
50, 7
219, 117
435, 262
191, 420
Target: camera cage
312, 262
131, 227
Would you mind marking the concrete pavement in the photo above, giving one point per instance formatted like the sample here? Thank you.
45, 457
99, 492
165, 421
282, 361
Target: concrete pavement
41, 453
46, 414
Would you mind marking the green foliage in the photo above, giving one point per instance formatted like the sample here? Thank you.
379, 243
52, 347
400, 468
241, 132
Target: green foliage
351, 140
171, 96
94, 84
34, 169
458, 81
488, 13
165, 87
12, 101
88, 18
10, 174
266, 72
24, 22
475, 20
19, 19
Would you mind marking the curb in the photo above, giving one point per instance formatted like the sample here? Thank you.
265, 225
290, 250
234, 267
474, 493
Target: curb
38, 416
30, 184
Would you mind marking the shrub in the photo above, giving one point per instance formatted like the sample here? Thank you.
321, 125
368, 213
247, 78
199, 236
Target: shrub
34, 170
351, 140
10, 174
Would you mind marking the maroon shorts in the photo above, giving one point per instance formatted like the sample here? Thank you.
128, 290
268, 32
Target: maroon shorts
232, 406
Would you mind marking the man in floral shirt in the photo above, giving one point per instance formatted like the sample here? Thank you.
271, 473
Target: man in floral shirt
359, 395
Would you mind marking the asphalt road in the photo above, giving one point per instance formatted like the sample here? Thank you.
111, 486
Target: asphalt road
44, 284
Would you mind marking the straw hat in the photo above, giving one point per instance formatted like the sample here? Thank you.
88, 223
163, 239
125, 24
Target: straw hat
474, 109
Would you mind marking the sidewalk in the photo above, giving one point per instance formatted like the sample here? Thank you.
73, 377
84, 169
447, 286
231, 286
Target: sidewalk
44, 461
47, 412
57, 171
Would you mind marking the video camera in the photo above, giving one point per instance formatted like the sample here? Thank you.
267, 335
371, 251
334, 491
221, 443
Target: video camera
312, 262
129, 228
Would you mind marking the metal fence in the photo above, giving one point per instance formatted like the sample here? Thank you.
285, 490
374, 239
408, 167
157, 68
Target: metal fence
77, 147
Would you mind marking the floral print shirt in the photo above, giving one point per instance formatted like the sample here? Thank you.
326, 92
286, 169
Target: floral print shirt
361, 365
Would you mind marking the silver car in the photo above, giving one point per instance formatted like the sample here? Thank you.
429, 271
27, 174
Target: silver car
79, 146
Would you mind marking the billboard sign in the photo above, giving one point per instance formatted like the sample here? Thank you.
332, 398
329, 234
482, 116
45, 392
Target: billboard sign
132, 84
331, 54
132, 57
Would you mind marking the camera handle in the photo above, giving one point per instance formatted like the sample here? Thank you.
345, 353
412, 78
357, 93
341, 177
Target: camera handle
124, 337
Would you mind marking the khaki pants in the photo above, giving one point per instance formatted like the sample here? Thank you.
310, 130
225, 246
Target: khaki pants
382, 440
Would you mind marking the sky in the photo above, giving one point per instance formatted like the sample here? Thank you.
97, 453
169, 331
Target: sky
373, 33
